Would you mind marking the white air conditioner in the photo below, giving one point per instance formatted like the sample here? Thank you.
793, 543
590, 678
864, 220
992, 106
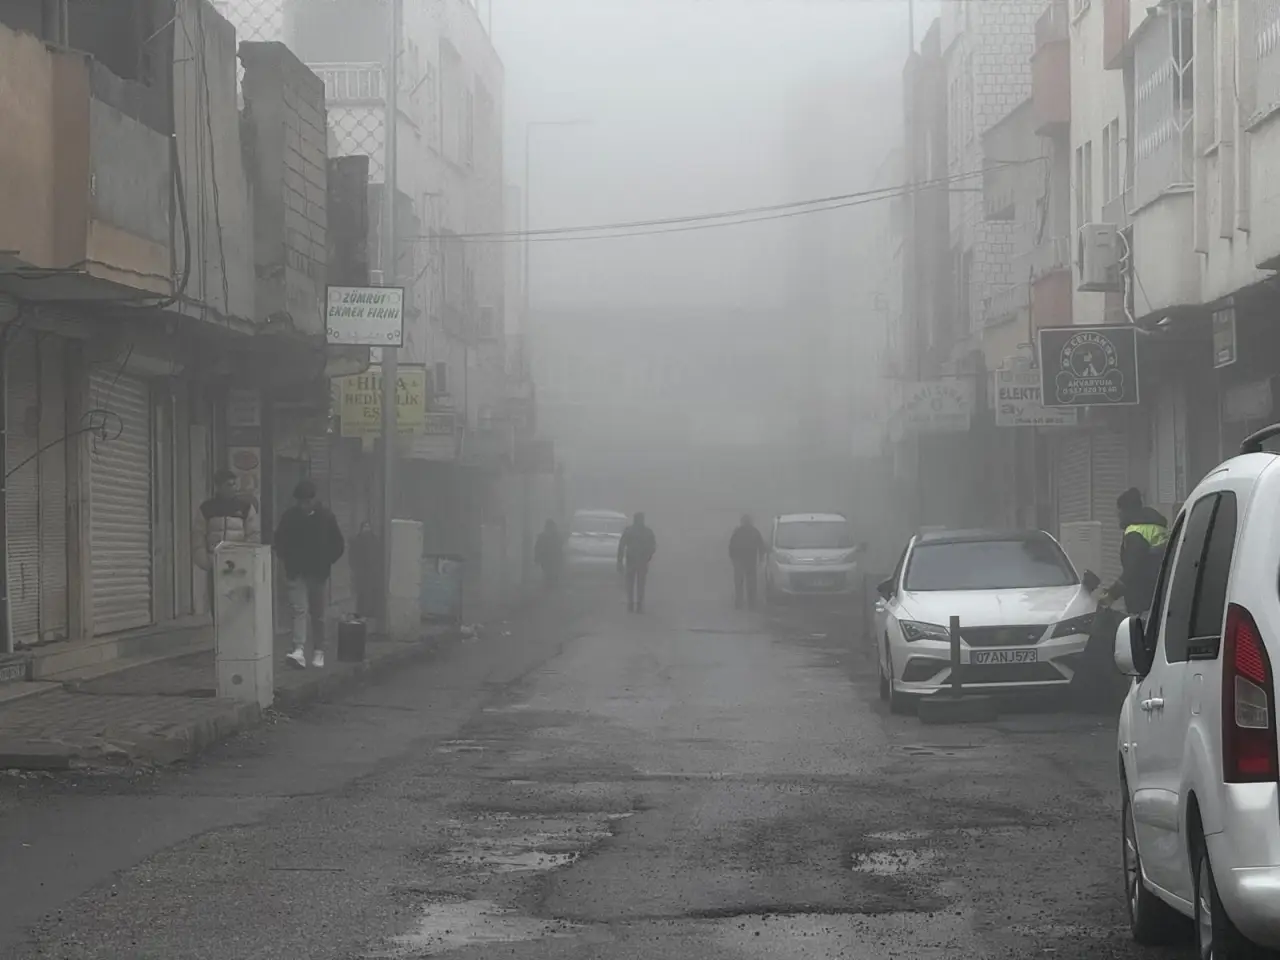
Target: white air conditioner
1099, 258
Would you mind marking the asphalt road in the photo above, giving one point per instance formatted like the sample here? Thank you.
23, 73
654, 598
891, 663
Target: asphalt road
586, 783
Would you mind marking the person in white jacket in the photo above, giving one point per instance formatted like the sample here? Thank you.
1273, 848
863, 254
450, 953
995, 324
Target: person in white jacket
227, 516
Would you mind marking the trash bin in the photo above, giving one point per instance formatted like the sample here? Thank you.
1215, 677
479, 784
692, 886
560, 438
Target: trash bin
352, 634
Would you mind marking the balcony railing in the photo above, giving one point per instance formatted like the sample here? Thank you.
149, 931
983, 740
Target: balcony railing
351, 84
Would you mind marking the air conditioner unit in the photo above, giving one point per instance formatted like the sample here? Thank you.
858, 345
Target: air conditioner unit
1099, 256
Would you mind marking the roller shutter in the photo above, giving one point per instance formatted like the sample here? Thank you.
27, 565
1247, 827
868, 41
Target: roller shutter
1110, 479
53, 487
1073, 477
23, 489
120, 503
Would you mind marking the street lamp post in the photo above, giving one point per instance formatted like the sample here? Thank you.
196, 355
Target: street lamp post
526, 536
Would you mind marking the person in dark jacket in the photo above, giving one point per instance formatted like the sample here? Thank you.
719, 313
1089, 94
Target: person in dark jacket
746, 549
635, 550
1146, 533
548, 553
308, 543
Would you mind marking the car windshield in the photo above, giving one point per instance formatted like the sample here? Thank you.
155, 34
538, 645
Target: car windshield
599, 526
989, 565
813, 535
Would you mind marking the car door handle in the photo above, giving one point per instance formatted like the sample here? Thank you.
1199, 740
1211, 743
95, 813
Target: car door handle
1155, 703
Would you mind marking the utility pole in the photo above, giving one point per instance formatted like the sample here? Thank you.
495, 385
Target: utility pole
390, 273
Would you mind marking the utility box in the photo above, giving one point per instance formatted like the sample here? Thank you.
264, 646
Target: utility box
405, 618
242, 623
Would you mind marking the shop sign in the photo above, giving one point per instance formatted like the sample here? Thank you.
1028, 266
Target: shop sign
1224, 337
1089, 366
1247, 401
365, 316
360, 404
937, 406
437, 440
1018, 395
244, 408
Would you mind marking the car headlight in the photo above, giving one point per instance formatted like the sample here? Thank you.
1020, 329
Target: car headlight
913, 631
1069, 628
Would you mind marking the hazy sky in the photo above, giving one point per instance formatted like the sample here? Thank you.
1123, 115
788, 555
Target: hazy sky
695, 106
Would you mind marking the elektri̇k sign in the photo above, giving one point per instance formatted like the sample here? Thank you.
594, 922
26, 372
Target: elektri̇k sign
1019, 402
365, 316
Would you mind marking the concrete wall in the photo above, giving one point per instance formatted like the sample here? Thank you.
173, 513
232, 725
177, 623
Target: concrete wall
1164, 257
284, 115
44, 98
211, 158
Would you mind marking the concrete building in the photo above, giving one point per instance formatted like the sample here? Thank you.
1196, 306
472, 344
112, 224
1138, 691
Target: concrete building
161, 287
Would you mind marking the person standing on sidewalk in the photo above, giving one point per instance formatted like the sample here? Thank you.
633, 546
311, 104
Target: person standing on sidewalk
746, 547
226, 517
308, 543
635, 550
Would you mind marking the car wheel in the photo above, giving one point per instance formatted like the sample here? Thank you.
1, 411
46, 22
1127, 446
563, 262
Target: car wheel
1217, 938
1152, 922
882, 664
884, 685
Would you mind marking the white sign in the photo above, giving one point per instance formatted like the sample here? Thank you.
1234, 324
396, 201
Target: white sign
1019, 402
1247, 401
938, 406
437, 441
365, 316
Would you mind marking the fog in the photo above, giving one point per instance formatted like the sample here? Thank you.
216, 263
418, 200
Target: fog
667, 360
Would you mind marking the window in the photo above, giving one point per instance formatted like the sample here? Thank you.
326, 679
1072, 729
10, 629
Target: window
1210, 606
1014, 564
1163, 84
813, 535
1159, 595
441, 378
1084, 184
1186, 574
1112, 173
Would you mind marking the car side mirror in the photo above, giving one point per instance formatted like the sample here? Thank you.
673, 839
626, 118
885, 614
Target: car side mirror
885, 588
1090, 581
1131, 656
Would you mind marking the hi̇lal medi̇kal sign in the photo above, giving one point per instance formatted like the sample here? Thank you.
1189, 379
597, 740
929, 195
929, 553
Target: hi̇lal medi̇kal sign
1089, 366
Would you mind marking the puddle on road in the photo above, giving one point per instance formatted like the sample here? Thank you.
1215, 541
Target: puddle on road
892, 863
849, 936
510, 861
461, 746
900, 836
444, 927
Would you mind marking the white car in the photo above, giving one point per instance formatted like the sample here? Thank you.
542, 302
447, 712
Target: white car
811, 554
593, 539
1197, 733
1025, 615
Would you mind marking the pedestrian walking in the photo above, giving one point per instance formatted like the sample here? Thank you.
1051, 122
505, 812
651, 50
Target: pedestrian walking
227, 517
548, 554
1146, 534
746, 549
635, 550
308, 543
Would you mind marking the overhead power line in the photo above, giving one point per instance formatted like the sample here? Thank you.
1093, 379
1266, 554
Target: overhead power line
706, 221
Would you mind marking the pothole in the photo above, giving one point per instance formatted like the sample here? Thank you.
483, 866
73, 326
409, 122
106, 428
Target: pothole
937, 749
448, 926
892, 863
510, 861
899, 836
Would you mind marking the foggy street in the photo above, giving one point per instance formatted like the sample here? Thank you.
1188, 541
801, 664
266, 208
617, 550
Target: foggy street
692, 781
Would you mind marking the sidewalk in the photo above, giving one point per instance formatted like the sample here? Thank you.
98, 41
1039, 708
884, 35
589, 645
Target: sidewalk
167, 711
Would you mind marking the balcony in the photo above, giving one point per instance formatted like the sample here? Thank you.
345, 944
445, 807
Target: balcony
85, 177
1051, 72
351, 84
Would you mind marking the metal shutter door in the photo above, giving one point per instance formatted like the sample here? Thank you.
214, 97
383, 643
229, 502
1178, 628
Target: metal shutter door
1110, 479
53, 487
1072, 469
120, 504
339, 467
23, 489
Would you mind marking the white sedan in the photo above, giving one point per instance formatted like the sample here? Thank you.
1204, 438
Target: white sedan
1025, 616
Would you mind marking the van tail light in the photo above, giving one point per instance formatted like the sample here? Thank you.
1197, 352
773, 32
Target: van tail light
1248, 703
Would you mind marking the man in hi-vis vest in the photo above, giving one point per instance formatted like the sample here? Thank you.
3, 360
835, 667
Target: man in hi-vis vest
1146, 533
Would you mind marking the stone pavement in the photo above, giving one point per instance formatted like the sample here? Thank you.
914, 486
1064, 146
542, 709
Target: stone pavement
167, 711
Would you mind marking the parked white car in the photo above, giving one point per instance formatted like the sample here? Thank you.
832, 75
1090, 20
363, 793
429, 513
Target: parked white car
1197, 732
1025, 614
593, 538
811, 554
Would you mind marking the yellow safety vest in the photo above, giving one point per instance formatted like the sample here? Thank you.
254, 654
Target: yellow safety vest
1153, 533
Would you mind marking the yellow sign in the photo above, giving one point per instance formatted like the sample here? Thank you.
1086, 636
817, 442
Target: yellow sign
360, 403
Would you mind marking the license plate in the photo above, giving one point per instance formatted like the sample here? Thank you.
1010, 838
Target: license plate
981, 657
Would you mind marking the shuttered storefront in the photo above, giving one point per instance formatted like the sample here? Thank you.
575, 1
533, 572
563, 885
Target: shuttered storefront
1110, 479
1073, 455
120, 503
37, 487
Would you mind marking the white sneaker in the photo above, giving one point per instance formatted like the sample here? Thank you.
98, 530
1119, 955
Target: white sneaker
297, 658
317, 660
